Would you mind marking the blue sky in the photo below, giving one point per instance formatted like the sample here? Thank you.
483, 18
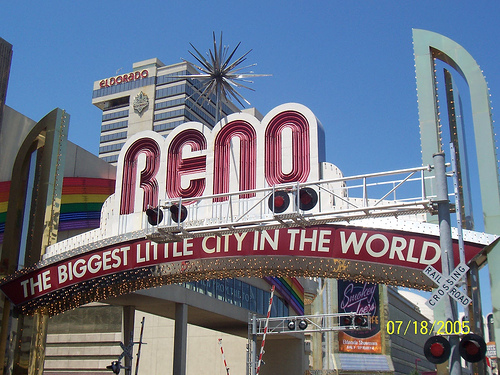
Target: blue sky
350, 62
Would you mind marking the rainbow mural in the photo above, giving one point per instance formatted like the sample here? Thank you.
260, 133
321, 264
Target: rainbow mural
4, 202
82, 200
291, 290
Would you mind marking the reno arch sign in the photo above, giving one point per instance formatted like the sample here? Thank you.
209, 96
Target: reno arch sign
223, 177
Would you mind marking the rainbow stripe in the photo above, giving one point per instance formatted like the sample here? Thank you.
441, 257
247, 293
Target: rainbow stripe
82, 200
291, 290
81, 203
4, 202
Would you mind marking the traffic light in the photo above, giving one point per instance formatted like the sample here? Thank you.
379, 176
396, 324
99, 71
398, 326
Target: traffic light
278, 202
302, 324
178, 215
361, 321
346, 320
308, 198
472, 348
437, 349
292, 324
115, 367
155, 215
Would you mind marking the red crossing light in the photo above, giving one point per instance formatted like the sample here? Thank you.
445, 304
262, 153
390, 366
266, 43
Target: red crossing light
308, 198
155, 215
437, 349
472, 348
278, 202
361, 321
178, 215
346, 320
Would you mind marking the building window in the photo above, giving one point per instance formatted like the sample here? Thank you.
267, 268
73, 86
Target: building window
170, 91
170, 114
113, 136
114, 115
91, 319
116, 103
167, 126
114, 125
239, 293
172, 77
110, 148
110, 159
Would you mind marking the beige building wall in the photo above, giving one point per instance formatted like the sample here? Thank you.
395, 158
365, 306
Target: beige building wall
203, 350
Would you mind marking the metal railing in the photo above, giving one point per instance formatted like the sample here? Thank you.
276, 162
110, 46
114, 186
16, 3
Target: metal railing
392, 193
314, 323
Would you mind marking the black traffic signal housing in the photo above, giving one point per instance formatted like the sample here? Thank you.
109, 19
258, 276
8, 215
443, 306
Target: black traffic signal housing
115, 366
303, 324
346, 320
353, 320
437, 349
361, 321
155, 215
472, 348
308, 198
177, 214
279, 202
292, 324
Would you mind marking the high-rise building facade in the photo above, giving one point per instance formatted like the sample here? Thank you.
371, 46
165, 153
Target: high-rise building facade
151, 97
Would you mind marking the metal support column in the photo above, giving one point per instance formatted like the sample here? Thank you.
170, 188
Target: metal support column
447, 260
128, 333
180, 339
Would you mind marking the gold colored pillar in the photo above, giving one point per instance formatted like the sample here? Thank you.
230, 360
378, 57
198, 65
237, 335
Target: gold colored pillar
31, 225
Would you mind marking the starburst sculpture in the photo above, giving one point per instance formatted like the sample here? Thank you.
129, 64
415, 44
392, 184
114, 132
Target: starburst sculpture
221, 77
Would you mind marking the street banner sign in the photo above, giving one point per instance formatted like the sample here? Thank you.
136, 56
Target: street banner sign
447, 285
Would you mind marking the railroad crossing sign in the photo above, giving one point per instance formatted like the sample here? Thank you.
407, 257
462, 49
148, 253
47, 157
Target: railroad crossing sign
447, 285
127, 350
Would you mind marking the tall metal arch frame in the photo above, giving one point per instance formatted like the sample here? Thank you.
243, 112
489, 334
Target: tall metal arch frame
429, 46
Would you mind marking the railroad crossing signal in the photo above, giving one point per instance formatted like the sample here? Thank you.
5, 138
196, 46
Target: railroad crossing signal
127, 350
472, 348
447, 285
437, 349
115, 366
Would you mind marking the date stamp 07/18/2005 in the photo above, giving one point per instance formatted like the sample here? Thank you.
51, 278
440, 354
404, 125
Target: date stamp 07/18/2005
423, 327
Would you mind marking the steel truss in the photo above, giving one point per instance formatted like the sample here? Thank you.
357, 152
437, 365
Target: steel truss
385, 194
313, 324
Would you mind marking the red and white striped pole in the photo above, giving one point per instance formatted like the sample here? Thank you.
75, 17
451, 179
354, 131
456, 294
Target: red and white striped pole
265, 331
223, 358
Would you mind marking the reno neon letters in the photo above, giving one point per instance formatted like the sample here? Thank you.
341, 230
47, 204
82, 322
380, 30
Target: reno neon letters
238, 154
